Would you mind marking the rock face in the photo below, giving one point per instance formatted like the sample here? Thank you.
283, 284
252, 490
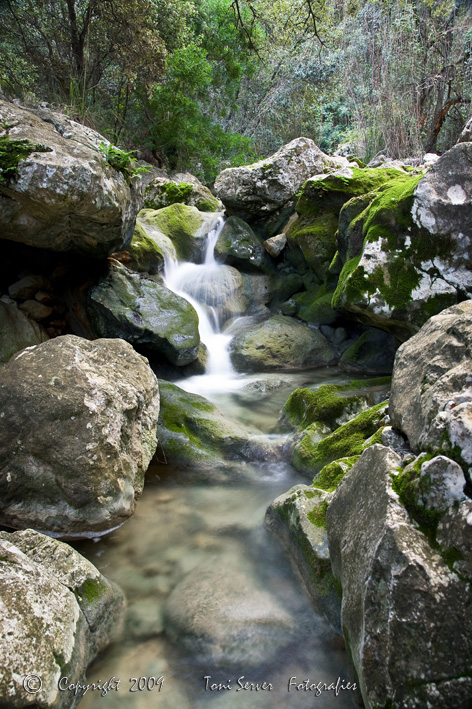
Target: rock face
81, 431
18, 331
144, 312
256, 191
221, 616
58, 612
182, 189
68, 198
431, 401
280, 343
405, 614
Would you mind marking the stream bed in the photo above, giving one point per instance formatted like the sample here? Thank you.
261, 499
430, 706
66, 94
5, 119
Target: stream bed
216, 615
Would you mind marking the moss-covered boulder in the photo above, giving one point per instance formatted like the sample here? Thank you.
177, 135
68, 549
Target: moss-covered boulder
397, 281
238, 246
193, 433
298, 518
185, 226
58, 612
373, 352
334, 404
142, 255
310, 456
313, 306
280, 343
182, 189
144, 312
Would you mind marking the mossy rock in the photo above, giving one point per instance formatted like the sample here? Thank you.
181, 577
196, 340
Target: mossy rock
331, 475
193, 433
185, 226
346, 441
329, 192
162, 192
315, 237
333, 404
239, 246
144, 312
142, 255
314, 306
372, 353
394, 283
11, 154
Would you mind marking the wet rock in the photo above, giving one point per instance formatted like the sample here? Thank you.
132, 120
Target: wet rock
431, 401
18, 331
142, 255
183, 189
58, 613
220, 615
144, 312
280, 343
69, 197
81, 432
238, 246
406, 615
372, 353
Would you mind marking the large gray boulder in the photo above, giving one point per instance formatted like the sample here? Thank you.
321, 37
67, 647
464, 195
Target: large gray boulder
431, 400
79, 429
144, 312
258, 190
280, 343
406, 616
69, 197
58, 612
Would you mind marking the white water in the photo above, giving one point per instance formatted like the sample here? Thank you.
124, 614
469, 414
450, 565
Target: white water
209, 287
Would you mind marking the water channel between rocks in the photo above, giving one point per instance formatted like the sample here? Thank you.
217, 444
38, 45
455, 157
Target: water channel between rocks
211, 594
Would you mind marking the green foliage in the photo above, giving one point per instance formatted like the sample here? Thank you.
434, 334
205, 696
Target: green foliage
12, 151
121, 160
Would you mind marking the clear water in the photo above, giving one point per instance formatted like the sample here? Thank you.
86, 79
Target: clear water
191, 524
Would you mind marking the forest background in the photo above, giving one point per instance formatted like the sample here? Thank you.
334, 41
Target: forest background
202, 84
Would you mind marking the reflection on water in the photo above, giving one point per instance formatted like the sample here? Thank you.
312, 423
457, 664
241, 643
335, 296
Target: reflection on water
211, 594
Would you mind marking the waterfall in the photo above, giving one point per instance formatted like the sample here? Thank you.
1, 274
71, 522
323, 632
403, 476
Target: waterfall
211, 288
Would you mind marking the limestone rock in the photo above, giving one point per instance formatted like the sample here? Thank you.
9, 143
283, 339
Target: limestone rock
406, 615
144, 312
219, 614
68, 198
58, 612
257, 190
184, 226
238, 246
280, 343
431, 401
81, 431
183, 189
275, 245
18, 331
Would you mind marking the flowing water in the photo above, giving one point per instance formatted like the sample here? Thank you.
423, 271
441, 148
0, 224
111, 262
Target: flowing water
216, 615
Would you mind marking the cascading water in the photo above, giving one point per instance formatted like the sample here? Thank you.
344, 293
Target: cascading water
212, 289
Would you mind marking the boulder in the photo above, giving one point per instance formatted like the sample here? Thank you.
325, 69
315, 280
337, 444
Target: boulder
238, 246
280, 343
142, 254
406, 616
219, 614
63, 194
431, 401
254, 192
144, 312
371, 353
193, 433
18, 331
184, 226
183, 189
275, 245
407, 256
81, 432
58, 612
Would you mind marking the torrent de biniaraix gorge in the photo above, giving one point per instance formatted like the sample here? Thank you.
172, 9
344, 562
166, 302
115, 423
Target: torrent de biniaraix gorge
339, 291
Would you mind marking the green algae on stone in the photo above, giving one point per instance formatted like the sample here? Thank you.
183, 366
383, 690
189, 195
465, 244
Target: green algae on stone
331, 402
162, 192
348, 440
12, 152
331, 475
142, 254
315, 236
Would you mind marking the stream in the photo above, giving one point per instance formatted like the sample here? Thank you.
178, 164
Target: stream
216, 615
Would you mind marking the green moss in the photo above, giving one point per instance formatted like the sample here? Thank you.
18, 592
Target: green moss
315, 236
331, 475
207, 205
344, 442
180, 223
409, 487
143, 254
318, 514
325, 405
351, 285
92, 590
11, 154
